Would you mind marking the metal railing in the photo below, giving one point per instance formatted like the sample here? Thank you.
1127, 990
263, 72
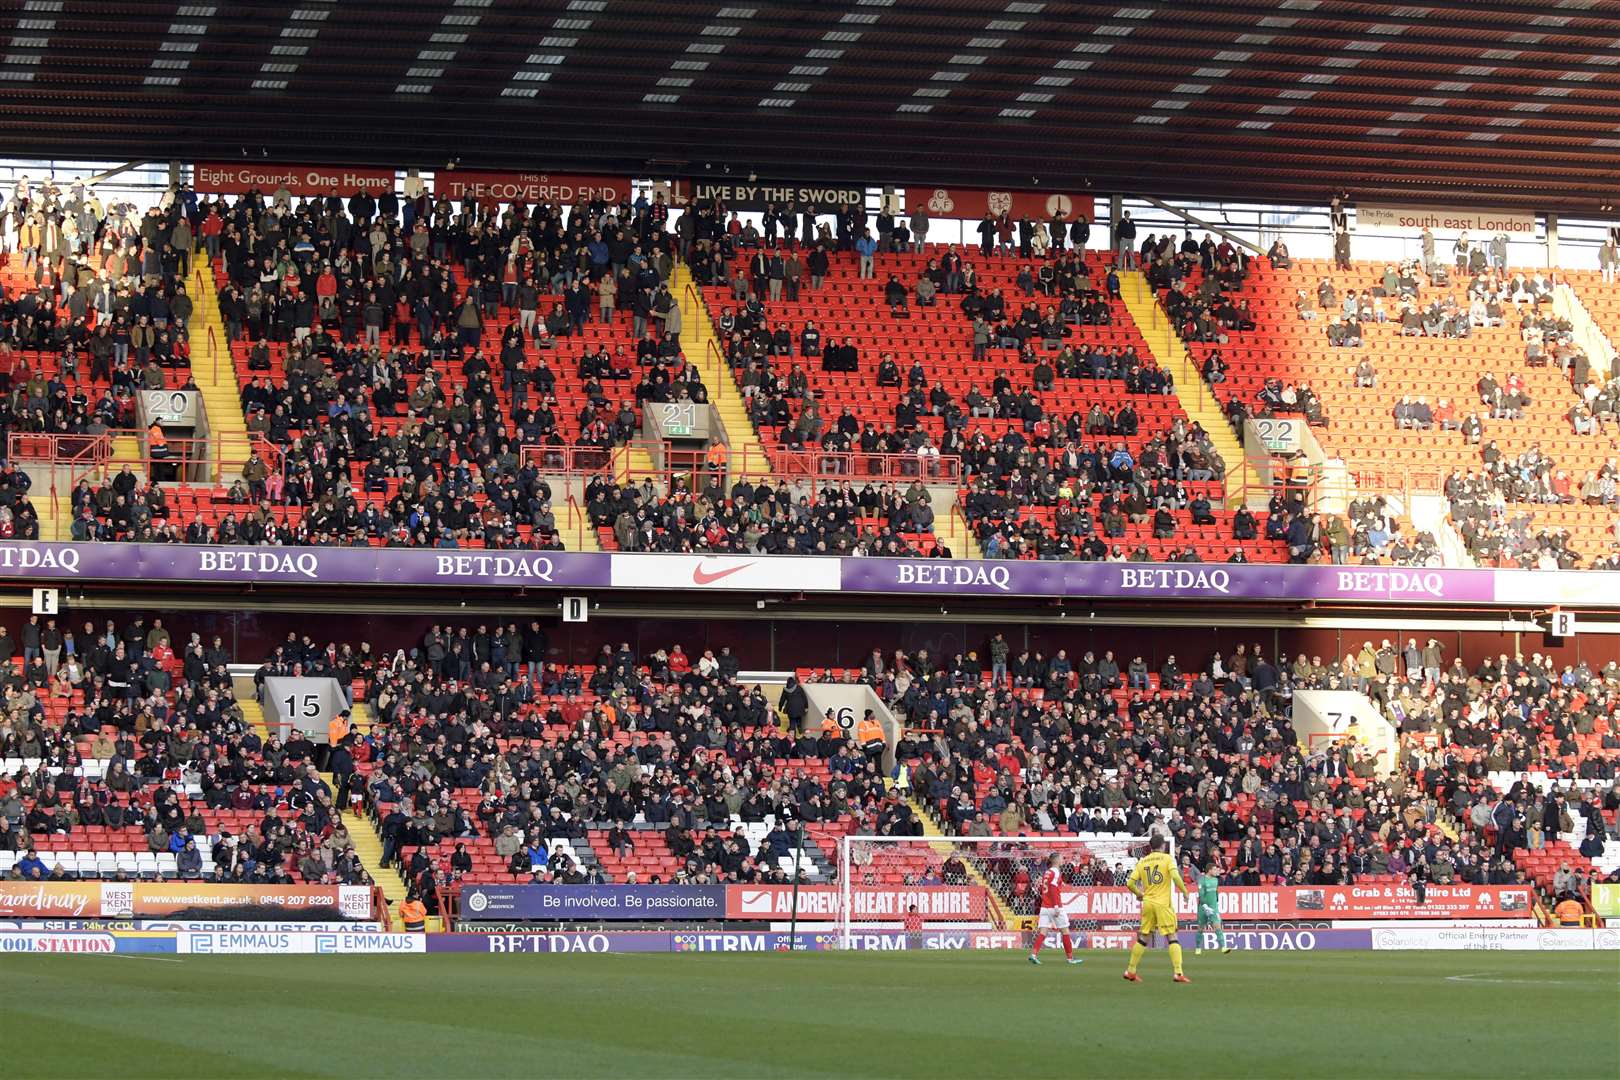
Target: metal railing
574, 460
1161, 335
665, 462
1398, 481
57, 449
207, 282
74, 453
577, 521
855, 466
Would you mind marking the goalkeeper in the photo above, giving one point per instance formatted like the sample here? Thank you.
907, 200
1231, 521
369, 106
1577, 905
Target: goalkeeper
1209, 906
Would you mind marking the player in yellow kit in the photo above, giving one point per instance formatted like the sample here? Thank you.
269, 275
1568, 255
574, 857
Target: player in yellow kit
1155, 875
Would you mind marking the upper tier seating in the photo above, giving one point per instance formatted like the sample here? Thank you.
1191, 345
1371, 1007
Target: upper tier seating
1359, 422
1009, 399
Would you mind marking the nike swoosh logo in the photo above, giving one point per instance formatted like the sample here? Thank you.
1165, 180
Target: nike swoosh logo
701, 576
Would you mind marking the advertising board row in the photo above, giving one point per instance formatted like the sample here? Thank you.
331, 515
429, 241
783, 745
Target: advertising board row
114, 899
345, 942
1323, 902
302, 181
948, 903
77, 562
867, 940
175, 926
235, 178
815, 903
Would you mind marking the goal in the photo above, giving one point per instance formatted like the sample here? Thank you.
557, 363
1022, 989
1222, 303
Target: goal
967, 883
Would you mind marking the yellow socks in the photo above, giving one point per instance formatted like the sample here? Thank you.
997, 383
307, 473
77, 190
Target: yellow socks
1175, 956
1136, 957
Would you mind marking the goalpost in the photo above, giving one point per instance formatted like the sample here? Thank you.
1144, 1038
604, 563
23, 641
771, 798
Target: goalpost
988, 883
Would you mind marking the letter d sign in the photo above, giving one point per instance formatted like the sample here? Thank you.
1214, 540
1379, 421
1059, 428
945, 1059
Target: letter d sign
576, 609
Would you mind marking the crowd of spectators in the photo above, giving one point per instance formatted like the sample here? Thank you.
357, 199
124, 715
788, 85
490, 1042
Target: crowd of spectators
1094, 491
1218, 758
325, 509
320, 299
1044, 458
477, 738
1492, 509
876, 519
173, 760
1370, 533
95, 307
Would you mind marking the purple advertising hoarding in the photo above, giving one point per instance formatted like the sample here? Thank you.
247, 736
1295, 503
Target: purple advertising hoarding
301, 565
48, 563
593, 902
1246, 940
1166, 581
631, 941
874, 940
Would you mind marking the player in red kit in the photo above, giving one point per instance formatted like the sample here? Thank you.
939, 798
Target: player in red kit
1053, 917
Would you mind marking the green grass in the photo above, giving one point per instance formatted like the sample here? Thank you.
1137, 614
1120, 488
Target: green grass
935, 1015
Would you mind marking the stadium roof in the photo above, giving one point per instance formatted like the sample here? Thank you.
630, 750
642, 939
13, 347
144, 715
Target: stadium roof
1507, 103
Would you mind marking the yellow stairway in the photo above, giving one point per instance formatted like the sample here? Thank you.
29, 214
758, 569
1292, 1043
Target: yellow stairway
698, 341
632, 462
953, 528
1000, 915
253, 713
368, 845
1171, 354
126, 450
576, 531
215, 372
55, 514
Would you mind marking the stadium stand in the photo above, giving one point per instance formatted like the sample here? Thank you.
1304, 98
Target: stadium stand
1031, 373
1038, 744
477, 757
318, 305
125, 758
1490, 410
1014, 372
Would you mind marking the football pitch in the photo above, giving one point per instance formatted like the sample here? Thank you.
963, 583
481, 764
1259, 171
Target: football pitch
934, 1014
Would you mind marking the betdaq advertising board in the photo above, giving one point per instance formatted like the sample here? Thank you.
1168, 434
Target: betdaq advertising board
42, 563
1246, 940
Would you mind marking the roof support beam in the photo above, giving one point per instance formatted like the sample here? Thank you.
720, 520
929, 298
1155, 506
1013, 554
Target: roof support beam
1202, 224
110, 173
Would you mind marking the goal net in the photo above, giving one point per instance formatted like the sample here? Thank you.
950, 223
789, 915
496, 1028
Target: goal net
987, 885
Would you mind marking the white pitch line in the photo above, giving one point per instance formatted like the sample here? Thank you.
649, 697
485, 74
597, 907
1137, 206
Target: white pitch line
146, 956
1484, 977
